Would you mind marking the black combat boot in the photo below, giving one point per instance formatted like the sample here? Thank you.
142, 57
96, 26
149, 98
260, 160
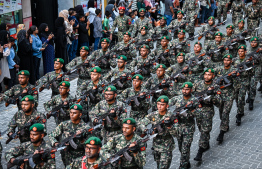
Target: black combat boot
238, 120
248, 100
220, 137
251, 101
205, 149
199, 154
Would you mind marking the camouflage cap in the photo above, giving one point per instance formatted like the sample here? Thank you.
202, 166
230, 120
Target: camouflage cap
209, 70
241, 20
127, 33
229, 56
28, 98
110, 88
64, 83
122, 57
24, 72
230, 26
219, 34
37, 127
94, 141
144, 46
84, 48
96, 69
161, 66
76, 107
180, 11
254, 39
242, 47
211, 17
187, 84
138, 76
165, 37
105, 40
199, 43
142, 10
59, 60
129, 121
163, 99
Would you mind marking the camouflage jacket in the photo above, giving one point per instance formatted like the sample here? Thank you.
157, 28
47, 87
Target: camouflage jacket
185, 48
237, 7
175, 23
208, 36
217, 56
191, 6
140, 62
158, 30
118, 142
159, 50
16, 89
131, 52
253, 12
139, 24
122, 23
28, 148
244, 76
83, 72
20, 119
145, 37
164, 141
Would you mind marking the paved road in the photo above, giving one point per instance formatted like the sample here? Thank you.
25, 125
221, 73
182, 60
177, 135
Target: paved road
242, 147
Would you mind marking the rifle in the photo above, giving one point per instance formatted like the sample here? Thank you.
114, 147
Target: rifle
120, 80
81, 66
90, 93
197, 60
107, 116
13, 100
211, 31
103, 61
163, 57
25, 127
143, 69
179, 73
143, 42
54, 112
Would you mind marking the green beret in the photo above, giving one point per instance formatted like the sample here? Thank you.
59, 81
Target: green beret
230, 26
199, 43
209, 70
138, 76
142, 10
127, 33
163, 99
145, 27
37, 127
187, 84
122, 57
129, 121
161, 66
28, 98
144, 46
59, 60
110, 88
24, 72
211, 17
64, 83
165, 37
242, 20
163, 17
182, 30
180, 12
219, 34
242, 47
96, 69
76, 107
84, 48
227, 56
94, 141
254, 39
105, 40
181, 54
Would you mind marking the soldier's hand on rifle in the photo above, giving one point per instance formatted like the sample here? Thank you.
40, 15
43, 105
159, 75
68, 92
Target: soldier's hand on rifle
78, 132
113, 111
133, 145
56, 144
185, 68
24, 91
86, 61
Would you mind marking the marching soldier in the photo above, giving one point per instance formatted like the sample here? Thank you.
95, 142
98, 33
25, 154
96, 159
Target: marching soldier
23, 88
145, 36
230, 35
181, 39
129, 137
240, 29
253, 13
36, 143
180, 21
238, 8
47, 78
159, 29
222, 5
26, 115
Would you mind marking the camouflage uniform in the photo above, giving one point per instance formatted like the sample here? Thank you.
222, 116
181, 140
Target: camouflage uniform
83, 74
163, 143
123, 24
16, 89
109, 130
131, 54
50, 76
118, 142
159, 50
56, 101
139, 24
66, 129
78, 163
185, 48
234, 50
137, 112
192, 9
157, 31
237, 13
28, 148
238, 31
209, 38
254, 14
206, 113
175, 23
221, 5
20, 119
186, 128
145, 37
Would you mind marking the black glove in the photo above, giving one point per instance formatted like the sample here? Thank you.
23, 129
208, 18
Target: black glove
37, 158
134, 149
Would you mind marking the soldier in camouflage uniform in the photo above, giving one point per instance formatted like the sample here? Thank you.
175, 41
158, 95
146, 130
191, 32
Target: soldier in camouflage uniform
118, 72
47, 78
120, 141
238, 9
144, 61
138, 112
113, 106
206, 113
27, 114
222, 5
83, 72
186, 123
209, 38
24, 87
126, 43
253, 13
163, 143
179, 22
141, 22
100, 53
123, 23
228, 36
63, 98
181, 38
227, 94
158, 31
92, 156
65, 129
33, 146
144, 36
240, 29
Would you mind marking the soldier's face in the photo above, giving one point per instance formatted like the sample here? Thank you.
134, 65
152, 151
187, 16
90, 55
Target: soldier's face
92, 150
143, 52
104, 45
137, 83
35, 136
142, 14
240, 24
179, 16
186, 91
180, 59
27, 106
75, 114
161, 107
254, 44
241, 53
143, 32
210, 21
227, 62
63, 90
162, 22
218, 39
22, 79
121, 12
58, 65
181, 35
164, 42
121, 63
197, 48
126, 38
208, 76
160, 72
128, 130
83, 53
110, 95
229, 31
95, 76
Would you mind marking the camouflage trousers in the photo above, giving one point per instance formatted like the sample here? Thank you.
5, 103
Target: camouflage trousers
251, 24
220, 8
163, 159
191, 25
224, 111
204, 122
240, 96
236, 16
254, 80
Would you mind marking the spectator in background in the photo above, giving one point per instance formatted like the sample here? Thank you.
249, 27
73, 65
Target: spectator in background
3, 33
169, 11
106, 26
83, 32
110, 8
49, 52
140, 4
91, 17
73, 47
98, 29
5, 74
213, 7
133, 4
37, 48
203, 7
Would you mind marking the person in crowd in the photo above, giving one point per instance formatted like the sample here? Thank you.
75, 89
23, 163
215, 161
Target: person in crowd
98, 29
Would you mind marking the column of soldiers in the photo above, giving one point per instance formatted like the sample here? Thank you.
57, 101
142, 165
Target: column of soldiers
120, 93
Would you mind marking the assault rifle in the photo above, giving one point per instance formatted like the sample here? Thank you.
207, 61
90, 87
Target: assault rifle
197, 60
212, 31
163, 58
90, 93
143, 69
120, 80
143, 42
81, 67
108, 116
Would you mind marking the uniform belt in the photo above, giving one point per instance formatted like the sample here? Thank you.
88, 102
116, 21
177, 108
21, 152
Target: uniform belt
163, 137
112, 129
84, 77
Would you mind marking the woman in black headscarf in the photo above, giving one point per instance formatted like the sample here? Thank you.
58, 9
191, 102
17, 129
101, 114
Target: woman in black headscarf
3, 33
60, 40
25, 54
49, 52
